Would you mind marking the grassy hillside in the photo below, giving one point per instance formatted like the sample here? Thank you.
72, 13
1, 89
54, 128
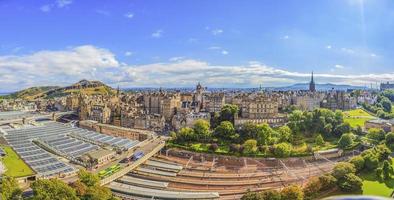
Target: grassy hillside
101, 90
48, 92
31, 93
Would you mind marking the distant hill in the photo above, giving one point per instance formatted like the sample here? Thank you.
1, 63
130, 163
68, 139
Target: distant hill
319, 87
82, 87
31, 93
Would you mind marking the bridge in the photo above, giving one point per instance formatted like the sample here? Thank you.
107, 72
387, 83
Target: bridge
29, 117
150, 148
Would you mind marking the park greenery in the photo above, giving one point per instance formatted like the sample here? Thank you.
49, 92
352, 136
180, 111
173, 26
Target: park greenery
383, 107
86, 188
346, 178
10, 160
304, 133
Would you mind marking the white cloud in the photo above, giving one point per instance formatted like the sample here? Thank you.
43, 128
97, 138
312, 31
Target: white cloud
45, 8
63, 3
328, 47
129, 15
286, 37
157, 34
56, 4
373, 55
217, 32
56, 67
188, 72
128, 53
67, 66
224, 52
339, 66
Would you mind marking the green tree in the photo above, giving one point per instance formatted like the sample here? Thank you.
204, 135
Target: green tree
285, 133
228, 112
371, 160
98, 193
319, 140
264, 132
386, 104
345, 141
282, 149
89, 179
327, 181
312, 188
250, 146
343, 168
9, 189
376, 134
350, 183
292, 192
390, 140
271, 195
379, 173
296, 121
225, 131
358, 162
52, 189
252, 196
248, 131
342, 129
387, 170
201, 129
186, 134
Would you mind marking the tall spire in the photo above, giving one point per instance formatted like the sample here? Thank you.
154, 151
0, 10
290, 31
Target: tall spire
117, 91
312, 81
312, 86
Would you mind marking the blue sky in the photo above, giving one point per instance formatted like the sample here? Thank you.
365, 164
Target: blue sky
222, 43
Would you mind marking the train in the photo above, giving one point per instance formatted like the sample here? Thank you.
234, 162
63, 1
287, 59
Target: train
109, 171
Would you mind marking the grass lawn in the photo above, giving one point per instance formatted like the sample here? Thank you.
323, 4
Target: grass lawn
371, 186
16, 167
357, 117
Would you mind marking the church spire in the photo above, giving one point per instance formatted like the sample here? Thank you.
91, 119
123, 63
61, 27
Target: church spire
312, 81
312, 86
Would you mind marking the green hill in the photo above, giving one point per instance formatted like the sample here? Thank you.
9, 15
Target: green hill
31, 93
48, 92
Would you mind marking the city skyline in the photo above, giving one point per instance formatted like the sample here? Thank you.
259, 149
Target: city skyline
177, 44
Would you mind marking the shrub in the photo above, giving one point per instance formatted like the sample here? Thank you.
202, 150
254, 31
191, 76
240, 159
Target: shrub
390, 140
250, 146
271, 195
345, 141
319, 140
213, 147
327, 181
350, 183
371, 161
234, 148
358, 162
343, 168
292, 192
312, 188
387, 170
379, 173
251, 196
282, 150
